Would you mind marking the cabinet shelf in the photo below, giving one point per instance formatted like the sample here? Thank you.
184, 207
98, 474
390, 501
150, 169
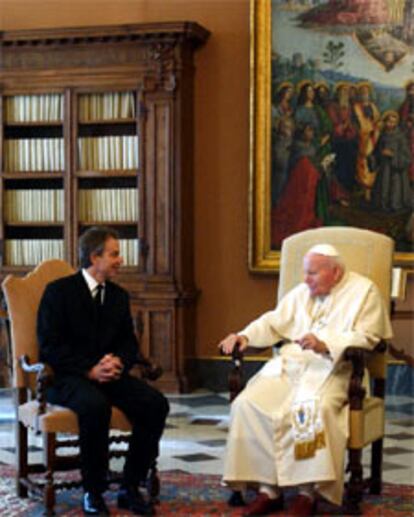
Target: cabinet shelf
115, 173
35, 124
109, 121
111, 223
31, 175
33, 224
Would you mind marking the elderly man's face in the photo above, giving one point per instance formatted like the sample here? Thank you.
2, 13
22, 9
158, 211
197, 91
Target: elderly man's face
320, 274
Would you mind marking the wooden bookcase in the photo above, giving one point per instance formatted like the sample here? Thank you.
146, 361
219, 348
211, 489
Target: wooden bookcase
97, 128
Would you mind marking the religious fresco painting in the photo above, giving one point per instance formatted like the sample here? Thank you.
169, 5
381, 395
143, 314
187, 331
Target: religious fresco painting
340, 132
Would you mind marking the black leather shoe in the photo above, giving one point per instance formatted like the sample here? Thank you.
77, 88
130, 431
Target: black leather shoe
130, 498
236, 499
94, 504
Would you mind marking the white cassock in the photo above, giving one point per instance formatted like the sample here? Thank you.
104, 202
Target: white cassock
289, 426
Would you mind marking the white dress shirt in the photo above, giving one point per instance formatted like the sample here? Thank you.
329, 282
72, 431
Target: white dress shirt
92, 284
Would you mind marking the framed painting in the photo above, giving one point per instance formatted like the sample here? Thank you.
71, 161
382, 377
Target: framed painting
332, 121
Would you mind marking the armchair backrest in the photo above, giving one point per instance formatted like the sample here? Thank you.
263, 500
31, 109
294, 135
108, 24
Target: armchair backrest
23, 296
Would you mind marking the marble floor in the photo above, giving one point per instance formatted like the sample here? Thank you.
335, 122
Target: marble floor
197, 427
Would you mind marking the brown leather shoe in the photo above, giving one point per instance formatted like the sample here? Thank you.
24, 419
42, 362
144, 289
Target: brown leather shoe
263, 505
302, 506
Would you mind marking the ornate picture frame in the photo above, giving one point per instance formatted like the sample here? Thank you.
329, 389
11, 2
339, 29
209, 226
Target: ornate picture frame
299, 47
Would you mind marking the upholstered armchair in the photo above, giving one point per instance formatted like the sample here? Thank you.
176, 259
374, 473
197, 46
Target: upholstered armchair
57, 425
370, 254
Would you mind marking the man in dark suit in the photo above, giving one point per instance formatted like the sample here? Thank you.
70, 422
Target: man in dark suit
86, 334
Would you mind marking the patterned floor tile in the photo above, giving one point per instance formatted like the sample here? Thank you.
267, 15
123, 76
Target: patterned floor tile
400, 436
213, 443
406, 409
196, 457
397, 450
195, 437
202, 401
403, 423
388, 465
204, 421
31, 448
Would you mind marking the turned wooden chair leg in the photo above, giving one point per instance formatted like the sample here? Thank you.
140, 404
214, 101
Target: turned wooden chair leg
236, 499
49, 496
355, 486
375, 485
21, 459
153, 483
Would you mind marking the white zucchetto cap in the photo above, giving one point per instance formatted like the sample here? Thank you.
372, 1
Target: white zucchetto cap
324, 249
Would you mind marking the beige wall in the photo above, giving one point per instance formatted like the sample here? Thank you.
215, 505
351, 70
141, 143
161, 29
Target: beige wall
230, 296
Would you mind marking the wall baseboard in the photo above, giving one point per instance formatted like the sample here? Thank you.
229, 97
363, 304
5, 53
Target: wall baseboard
212, 374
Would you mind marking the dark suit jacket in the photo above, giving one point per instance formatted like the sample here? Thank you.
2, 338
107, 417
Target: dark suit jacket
70, 339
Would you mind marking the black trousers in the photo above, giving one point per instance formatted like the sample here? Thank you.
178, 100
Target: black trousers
145, 407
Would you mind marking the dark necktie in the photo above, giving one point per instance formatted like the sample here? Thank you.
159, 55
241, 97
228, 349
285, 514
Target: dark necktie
98, 295
97, 300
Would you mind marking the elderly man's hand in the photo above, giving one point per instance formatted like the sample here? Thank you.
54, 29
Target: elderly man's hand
228, 344
311, 342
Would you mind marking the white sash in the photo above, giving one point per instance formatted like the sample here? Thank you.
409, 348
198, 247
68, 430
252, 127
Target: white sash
307, 371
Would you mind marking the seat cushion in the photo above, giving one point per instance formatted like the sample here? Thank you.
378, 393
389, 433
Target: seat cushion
59, 419
367, 425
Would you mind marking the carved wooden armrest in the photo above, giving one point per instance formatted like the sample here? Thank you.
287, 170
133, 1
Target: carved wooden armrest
148, 370
356, 391
44, 378
236, 376
358, 358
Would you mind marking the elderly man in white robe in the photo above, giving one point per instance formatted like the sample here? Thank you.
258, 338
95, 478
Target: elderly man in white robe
289, 426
